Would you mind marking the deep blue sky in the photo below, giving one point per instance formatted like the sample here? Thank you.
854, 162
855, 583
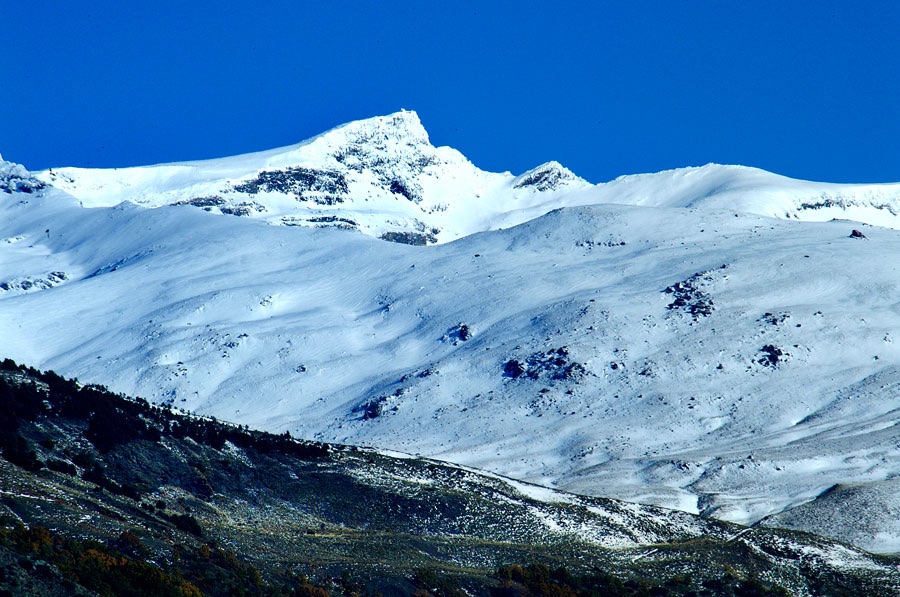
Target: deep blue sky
809, 89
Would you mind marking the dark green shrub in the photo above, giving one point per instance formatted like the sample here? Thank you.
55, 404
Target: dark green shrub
187, 523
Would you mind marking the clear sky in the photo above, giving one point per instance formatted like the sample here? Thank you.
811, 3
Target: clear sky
808, 89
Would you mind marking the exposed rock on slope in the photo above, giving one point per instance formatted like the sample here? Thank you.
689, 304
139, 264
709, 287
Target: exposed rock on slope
671, 398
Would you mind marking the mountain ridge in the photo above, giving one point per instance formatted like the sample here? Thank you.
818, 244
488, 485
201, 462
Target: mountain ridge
327, 180
631, 339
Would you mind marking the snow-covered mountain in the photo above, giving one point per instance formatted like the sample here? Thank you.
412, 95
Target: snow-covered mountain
701, 338
381, 176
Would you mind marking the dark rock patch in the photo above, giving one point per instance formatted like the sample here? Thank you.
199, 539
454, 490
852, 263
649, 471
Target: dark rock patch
14, 182
325, 187
458, 333
774, 318
409, 238
204, 202
409, 190
689, 296
243, 209
772, 356
28, 284
334, 222
554, 365
513, 368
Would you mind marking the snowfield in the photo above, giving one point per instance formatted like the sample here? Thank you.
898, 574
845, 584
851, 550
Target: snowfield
709, 339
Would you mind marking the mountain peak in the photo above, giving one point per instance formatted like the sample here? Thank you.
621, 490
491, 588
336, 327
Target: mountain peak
404, 126
549, 176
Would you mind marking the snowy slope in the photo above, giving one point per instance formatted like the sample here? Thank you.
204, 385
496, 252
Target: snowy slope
652, 341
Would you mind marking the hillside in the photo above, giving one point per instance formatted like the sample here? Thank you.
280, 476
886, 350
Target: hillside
659, 338
100, 490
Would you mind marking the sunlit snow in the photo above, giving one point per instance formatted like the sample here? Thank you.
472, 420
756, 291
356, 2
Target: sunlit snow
705, 338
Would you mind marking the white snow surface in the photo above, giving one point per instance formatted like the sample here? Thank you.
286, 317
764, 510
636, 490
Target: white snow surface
389, 179
767, 374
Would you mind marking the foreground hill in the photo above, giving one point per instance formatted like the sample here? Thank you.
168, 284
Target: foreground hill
104, 493
659, 338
